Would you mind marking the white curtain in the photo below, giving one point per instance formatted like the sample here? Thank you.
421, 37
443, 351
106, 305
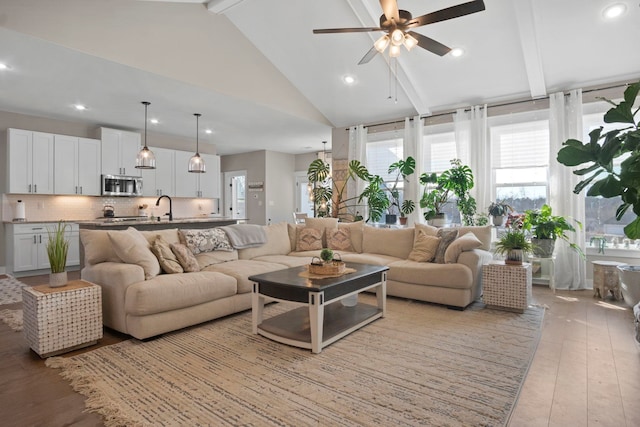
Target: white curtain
565, 121
472, 148
413, 146
357, 151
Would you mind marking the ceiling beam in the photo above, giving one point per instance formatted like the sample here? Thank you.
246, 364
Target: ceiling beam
221, 6
525, 17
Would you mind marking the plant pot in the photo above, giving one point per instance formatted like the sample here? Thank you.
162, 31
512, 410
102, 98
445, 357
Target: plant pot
350, 301
391, 219
439, 221
57, 280
514, 257
403, 220
543, 248
498, 220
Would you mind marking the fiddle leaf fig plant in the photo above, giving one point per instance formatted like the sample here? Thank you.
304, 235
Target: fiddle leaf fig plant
601, 178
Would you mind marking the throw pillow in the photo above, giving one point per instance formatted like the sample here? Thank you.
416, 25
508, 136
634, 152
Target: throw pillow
167, 259
424, 247
309, 239
321, 224
447, 236
132, 248
205, 240
355, 228
339, 239
464, 243
97, 247
185, 257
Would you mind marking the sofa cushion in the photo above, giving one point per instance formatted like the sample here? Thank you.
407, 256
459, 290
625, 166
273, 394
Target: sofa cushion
456, 276
424, 247
133, 248
447, 236
388, 241
205, 240
167, 259
277, 243
185, 257
430, 230
463, 243
483, 233
170, 292
366, 258
293, 230
169, 235
339, 239
355, 228
206, 259
242, 269
309, 239
286, 260
321, 224
97, 247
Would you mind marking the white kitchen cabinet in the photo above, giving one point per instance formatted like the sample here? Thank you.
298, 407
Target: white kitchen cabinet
76, 165
119, 151
206, 185
161, 180
29, 162
26, 246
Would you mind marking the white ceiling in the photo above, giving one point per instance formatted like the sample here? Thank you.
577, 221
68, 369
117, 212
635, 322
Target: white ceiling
263, 80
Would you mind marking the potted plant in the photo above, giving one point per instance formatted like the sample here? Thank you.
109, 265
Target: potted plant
545, 228
513, 244
407, 207
57, 249
498, 210
601, 178
402, 169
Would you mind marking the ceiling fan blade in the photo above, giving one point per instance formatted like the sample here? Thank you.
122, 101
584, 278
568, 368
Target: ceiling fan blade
346, 30
390, 9
369, 56
448, 13
430, 44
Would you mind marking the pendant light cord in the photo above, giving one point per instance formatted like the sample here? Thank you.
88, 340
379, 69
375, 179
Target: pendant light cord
146, 105
197, 134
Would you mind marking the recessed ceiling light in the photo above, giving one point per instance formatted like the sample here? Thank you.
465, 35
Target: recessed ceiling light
615, 10
80, 107
208, 131
3, 66
154, 121
349, 80
457, 51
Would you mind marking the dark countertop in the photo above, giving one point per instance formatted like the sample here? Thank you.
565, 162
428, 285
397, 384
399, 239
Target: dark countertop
108, 222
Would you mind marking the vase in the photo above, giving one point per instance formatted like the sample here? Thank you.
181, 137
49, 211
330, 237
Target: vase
57, 280
391, 219
543, 248
350, 301
403, 220
514, 257
440, 220
498, 220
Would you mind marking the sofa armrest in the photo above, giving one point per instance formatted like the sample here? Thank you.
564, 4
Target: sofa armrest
475, 259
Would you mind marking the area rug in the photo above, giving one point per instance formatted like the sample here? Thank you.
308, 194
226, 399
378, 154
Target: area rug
420, 365
10, 290
13, 319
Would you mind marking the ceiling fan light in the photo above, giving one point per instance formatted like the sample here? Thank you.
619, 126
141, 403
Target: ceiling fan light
394, 51
410, 42
397, 37
382, 43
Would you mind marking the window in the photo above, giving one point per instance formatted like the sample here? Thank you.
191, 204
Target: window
382, 152
520, 163
439, 150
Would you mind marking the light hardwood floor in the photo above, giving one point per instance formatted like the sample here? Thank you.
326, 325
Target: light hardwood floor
586, 370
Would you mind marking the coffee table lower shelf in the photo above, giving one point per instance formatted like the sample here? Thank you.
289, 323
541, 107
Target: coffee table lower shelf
294, 327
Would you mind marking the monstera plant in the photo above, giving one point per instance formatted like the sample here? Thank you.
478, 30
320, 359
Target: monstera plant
601, 178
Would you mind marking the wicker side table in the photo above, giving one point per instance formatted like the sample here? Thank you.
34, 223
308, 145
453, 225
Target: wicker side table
57, 320
506, 286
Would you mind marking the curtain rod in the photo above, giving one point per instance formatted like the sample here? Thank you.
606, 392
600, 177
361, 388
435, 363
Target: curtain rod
502, 104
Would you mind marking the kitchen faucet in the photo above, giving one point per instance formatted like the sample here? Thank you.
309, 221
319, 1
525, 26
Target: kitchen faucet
170, 206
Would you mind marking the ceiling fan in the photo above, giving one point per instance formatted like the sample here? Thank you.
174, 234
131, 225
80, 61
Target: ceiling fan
397, 24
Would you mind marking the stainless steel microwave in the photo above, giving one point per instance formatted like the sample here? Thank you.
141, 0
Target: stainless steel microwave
120, 185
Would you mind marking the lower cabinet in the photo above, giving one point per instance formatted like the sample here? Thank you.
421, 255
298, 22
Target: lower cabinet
26, 246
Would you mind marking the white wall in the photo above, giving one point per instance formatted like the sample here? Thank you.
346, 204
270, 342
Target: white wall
280, 187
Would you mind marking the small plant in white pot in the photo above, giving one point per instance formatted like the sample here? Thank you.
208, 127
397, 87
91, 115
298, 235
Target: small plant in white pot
57, 249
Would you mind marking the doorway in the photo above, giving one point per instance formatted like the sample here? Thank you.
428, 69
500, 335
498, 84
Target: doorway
304, 204
235, 194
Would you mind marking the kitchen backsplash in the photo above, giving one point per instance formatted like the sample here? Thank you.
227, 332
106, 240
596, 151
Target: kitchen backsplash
73, 208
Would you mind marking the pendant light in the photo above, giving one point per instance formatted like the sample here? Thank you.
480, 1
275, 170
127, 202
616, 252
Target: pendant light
145, 158
196, 163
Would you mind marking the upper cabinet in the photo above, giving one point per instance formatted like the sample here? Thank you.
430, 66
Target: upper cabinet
76, 165
188, 184
29, 162
161, 180
119, 151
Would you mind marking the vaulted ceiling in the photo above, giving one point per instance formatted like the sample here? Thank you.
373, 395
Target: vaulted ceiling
262, 80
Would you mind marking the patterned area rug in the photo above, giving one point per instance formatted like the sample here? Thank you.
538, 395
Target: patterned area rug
10, 290
13, 318
420, 365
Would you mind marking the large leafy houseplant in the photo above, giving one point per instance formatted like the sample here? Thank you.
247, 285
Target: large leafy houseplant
402, 169
601, 178
543, 225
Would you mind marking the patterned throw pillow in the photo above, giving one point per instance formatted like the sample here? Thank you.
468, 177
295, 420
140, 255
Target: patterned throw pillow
185, 257
447, 236
168, 261
206, 240
339, 239
309, 239
424, 247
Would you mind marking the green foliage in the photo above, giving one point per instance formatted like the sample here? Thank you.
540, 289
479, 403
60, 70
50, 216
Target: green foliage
544, 225
407, 207
482, 219
499, 208
326, 255
598, 155
512, 239
57, 247
402, 168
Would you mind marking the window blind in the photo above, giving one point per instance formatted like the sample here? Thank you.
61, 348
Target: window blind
520, 145
381, 154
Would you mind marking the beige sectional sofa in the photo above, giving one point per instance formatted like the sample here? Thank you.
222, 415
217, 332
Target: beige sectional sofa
142, 303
